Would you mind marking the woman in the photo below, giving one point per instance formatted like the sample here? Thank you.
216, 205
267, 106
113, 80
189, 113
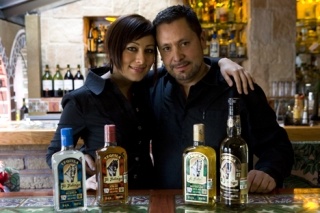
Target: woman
119, 98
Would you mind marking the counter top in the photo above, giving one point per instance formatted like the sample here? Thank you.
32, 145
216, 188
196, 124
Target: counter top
41, 132
154, 201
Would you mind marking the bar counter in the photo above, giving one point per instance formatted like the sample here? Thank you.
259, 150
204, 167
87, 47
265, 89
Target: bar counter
167, 201
41, 133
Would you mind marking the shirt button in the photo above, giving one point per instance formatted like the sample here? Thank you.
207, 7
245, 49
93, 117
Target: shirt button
139, 127
136, 158
139, 142
137, 109
135, 176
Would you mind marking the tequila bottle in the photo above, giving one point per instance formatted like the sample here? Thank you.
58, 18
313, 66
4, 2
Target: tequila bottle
199, 170
70, 193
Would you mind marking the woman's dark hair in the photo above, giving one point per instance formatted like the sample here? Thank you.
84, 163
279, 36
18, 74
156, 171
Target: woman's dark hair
124, 30
176, 12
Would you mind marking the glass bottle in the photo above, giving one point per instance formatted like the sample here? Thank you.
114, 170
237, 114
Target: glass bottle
232, 47
57, 83
214, 46
199, 170
112, 171
47, 83
68, 165
234, 162
68, 81
297, 110
24, 110
223, 44
78, 78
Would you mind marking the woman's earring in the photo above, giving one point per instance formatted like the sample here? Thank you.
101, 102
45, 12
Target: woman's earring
111, 67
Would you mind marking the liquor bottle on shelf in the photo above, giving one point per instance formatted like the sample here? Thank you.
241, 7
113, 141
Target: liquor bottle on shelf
232, 47
297, 110
78, 78
112, 171
234, 162
199, 170
47, 83
57, 83
223, 44
214, 46
24, 110
68, 81
68, 165
231, 11
91, 42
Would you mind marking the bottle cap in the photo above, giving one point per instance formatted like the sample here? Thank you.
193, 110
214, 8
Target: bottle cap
66, 137
198, 132
110, 133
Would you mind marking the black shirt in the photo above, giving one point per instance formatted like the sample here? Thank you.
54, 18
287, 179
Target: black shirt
99, 102
207, 104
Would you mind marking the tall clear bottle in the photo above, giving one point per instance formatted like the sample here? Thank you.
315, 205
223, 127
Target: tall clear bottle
47, 83
234, 162
68, 165
68, 81
112, 171
199, 170
57, 83
78, 78
214, 45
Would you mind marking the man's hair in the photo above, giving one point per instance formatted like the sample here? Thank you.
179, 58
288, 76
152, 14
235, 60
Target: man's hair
176, 12
124, 30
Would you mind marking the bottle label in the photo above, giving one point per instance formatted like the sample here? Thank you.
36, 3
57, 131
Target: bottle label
114, 177
233, 179
78, 84
70, 183
47, 85
68, 84
58, 84
196, 178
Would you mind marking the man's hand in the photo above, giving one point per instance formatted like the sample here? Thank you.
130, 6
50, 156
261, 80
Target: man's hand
242, 78
90, 165
260, 182
91, 183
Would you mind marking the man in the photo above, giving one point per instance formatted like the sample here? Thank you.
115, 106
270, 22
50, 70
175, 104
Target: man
193, 91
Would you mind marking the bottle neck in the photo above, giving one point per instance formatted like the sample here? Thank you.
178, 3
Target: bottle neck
64, 148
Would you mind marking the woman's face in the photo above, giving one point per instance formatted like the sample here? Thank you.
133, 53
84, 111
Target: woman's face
137, 58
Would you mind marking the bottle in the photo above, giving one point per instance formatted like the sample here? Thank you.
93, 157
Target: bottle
78, 78
47, 83
214, 46
68, 81
57, 83
112, 171
223, 44
92, 48
232, 47
68, 165
234, 162
199, 170
288, 119
305, 113
24, 110
297, 110
231, 11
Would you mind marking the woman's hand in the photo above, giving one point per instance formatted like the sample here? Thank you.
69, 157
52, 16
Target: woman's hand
242, 78
91, 183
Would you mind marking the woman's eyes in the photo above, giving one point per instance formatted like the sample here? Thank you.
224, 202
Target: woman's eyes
134, 49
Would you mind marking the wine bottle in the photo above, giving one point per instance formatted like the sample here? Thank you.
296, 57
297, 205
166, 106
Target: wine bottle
57, 83
24, 110
78, 78
199, 170
68, 167
47, 83
234, 162
68, 81
112, 171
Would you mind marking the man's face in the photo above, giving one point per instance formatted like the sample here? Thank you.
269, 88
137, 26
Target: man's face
181, 50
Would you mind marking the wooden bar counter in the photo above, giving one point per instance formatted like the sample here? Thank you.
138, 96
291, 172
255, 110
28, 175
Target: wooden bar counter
40, 133
169, 201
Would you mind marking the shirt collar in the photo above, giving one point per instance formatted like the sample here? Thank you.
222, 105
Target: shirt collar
94, 81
